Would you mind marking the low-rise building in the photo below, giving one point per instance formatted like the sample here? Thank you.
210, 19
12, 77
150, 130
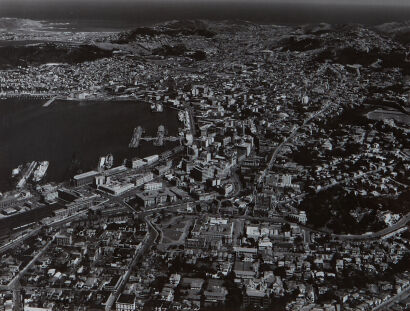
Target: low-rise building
126, 302
85, 178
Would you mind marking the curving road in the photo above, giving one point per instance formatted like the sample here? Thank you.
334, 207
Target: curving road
395, 299
285, 141
401, 224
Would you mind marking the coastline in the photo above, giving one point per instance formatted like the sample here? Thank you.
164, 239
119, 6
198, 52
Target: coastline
82, 139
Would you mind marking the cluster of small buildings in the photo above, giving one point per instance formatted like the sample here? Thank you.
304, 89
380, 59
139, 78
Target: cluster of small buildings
266, 264
84, 264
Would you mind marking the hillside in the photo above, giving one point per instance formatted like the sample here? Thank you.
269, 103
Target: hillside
38, 54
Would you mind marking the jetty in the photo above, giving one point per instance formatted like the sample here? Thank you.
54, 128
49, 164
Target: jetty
156, 141
50, 101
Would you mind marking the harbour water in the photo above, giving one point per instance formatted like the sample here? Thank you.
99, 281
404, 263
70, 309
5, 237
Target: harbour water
72, 135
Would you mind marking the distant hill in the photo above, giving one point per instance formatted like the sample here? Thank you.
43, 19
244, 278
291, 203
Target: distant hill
399, 31
172, 29
38, 54
14, 24
352, 44
385, 45
346, 44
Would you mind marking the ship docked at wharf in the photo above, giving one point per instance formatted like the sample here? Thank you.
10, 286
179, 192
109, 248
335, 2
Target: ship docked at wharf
136, 137
181, 116
159, 141
34, 171
106, 162
157, 107
40, 171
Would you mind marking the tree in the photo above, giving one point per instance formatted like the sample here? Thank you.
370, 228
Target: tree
159, 283
298, 239
234, 298
285, 227
280, 271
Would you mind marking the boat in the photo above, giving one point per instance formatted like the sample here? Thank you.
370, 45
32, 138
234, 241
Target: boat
181, 116
16, 171
157, 107
106, 162
109, 161
136, 137
101, 163
25, 173
40, 171
159, 141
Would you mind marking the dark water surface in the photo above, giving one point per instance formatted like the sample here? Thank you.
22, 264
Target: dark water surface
70, 132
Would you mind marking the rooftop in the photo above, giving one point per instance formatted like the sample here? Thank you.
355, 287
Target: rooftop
126, 298
85, 175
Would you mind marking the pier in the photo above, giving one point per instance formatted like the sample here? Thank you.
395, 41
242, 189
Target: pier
26, 95
49, 102
157, 141
165, 138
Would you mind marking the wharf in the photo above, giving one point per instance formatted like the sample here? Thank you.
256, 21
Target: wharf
49, 102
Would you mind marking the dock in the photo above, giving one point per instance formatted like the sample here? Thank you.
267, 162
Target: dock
161, 138
50, 101
156, 141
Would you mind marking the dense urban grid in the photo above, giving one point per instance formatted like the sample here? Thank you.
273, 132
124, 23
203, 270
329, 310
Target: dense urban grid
288, 188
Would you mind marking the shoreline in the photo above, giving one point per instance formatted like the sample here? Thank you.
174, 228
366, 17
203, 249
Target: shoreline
97, 113
129, 98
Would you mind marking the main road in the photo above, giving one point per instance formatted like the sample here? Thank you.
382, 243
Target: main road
148, 241
400, 225
287, 139
396, 298
146, 244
